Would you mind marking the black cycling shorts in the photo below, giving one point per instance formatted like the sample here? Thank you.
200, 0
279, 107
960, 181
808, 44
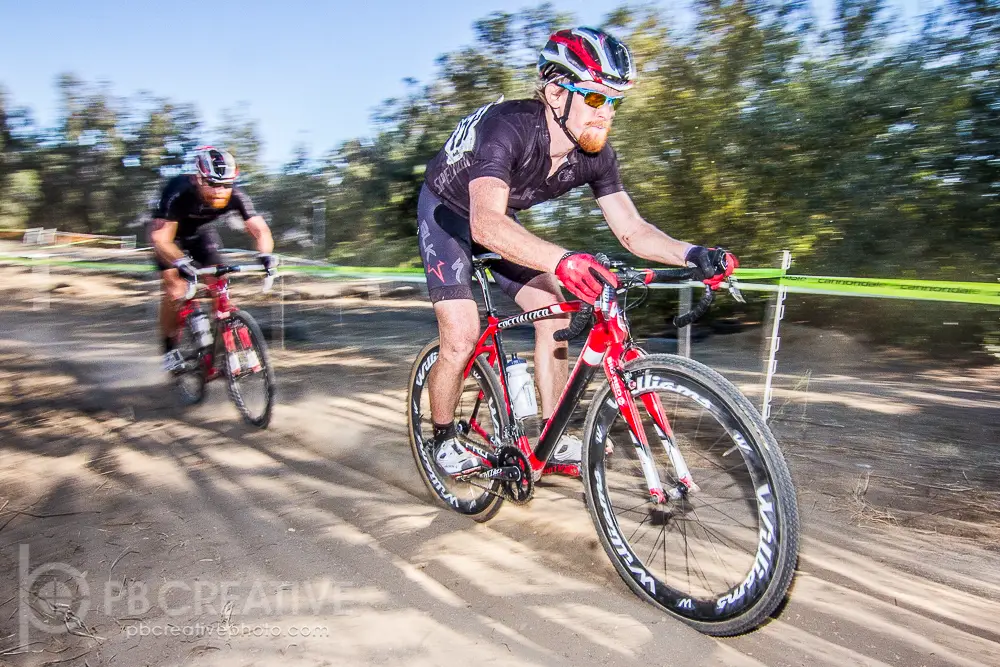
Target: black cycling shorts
446, 249
203, 246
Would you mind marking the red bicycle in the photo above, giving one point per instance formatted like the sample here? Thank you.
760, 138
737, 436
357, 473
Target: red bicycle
229, 344
684, 481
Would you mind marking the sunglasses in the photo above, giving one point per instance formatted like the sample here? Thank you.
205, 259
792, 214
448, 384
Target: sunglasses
592, 98
219, 186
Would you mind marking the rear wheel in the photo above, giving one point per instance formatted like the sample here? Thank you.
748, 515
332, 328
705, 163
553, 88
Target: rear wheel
480, 413
248, 368
720, 556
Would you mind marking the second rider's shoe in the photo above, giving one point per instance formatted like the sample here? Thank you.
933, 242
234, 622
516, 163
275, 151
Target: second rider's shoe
172, 361
454, 459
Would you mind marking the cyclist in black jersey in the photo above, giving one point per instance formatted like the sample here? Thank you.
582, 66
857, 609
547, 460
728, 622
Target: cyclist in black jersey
506, 157
183, 237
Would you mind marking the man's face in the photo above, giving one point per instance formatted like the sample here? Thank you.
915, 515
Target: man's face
589, 125
215, 195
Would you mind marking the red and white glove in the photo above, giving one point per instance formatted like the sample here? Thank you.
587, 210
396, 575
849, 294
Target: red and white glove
584, 276
712, 265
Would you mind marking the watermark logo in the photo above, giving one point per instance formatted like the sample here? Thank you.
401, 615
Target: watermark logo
53, 597
57, 598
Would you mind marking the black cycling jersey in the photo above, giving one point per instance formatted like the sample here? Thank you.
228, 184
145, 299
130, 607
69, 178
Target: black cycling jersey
182, 203
510, 141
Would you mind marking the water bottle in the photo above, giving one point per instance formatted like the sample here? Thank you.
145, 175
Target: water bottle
202, 329
522, 388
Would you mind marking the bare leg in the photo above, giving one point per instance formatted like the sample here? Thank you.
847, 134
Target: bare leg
458, 327
172, 289
551, 360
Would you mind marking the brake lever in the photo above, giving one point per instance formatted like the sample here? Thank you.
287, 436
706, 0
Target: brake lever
192, 289
734, 290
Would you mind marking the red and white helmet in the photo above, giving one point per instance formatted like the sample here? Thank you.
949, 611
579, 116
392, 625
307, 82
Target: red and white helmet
586, 54
215, 165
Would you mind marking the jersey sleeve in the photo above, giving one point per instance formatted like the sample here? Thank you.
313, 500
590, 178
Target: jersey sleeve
608, 179
166, 207
240, 202
496, 150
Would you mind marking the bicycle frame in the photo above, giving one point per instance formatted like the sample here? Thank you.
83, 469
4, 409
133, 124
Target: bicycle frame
218, 290
608, 346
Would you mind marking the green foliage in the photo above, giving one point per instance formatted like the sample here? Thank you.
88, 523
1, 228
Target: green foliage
864, 150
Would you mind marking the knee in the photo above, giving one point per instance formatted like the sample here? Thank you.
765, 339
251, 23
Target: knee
458, 344
173, 286
546, 329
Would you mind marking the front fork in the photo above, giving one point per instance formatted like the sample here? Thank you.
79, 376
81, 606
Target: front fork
629, 410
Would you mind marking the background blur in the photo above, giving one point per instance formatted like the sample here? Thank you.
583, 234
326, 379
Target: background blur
862, 135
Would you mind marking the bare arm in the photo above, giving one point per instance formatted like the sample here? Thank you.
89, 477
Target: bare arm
162, 236
257, 228
638, 236
491, 227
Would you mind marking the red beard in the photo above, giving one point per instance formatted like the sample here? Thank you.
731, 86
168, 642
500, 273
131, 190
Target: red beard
592, 139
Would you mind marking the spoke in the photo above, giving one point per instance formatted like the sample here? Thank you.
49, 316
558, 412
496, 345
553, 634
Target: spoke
657, 541
644, 519
708, 533
687, 561
630, 509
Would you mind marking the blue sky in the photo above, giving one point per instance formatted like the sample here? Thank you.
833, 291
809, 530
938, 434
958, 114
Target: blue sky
307, 70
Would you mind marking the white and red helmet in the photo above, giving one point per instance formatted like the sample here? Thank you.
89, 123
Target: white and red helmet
215, 165
586, 54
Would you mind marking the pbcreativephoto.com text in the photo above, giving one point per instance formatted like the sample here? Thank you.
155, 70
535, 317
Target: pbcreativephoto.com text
225, 631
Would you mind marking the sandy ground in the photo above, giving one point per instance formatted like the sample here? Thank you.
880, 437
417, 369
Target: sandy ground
134, 528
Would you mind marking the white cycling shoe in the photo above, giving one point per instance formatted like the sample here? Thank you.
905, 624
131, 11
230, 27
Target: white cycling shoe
172, 361
455, 459
568, 452
565, 460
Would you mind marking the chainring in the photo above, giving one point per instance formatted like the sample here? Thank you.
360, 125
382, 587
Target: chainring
521, 491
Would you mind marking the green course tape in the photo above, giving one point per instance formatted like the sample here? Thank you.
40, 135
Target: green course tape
929, 290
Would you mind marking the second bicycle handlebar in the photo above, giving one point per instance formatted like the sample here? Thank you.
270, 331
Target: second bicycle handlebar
225, 269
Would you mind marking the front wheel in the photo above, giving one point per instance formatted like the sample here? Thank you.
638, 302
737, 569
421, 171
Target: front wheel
716, 544
189, 376
251, 378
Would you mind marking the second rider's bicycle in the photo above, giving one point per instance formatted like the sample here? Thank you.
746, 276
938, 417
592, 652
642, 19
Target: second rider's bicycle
684, 481
224, 343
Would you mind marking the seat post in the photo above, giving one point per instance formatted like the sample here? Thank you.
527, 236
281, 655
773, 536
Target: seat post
484, 283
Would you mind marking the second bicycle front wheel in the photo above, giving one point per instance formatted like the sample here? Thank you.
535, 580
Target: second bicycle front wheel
251, 378
189, 377
719, 555
482, 416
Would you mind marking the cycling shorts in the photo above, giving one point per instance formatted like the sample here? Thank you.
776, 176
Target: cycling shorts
446, 249
203, 247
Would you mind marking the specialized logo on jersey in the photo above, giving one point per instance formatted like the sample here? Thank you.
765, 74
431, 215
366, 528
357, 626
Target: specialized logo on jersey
463, 139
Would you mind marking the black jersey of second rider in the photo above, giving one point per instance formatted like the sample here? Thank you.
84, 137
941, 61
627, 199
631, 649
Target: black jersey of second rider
182, 203
510, 141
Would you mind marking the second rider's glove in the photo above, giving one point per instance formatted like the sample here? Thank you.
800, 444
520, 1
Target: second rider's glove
711, 265
269, 262
584, 276
185, 267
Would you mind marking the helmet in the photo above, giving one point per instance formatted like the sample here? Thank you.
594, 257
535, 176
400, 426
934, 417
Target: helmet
586, 54
215, 165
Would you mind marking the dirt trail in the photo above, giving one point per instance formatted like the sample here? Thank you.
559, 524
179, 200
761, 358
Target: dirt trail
181, 519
